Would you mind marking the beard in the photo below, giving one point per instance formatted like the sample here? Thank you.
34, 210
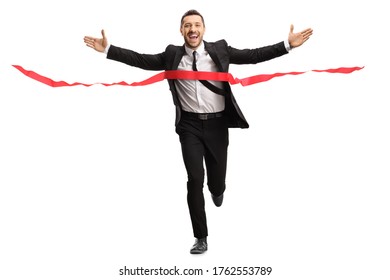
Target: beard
193, 43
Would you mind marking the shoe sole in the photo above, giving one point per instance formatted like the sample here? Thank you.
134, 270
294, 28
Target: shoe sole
197, 252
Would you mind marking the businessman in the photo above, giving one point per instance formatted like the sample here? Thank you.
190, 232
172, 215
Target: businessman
205, 110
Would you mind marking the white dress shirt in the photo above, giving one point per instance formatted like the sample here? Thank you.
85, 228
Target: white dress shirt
195, 97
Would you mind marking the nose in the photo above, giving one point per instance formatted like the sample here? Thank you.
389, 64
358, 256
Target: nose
192, 28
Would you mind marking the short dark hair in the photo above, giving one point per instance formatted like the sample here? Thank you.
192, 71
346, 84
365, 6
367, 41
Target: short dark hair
191, 13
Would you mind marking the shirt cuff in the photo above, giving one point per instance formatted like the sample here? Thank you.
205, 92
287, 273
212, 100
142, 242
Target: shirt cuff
287, 45
106, 49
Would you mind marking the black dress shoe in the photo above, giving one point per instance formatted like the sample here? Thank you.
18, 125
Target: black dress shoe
199, 247
217, 199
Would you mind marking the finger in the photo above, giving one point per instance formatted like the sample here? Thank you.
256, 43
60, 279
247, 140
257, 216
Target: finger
306, 38
291, 28
307, 31
89, 38
308, 34
90, 45
103, 34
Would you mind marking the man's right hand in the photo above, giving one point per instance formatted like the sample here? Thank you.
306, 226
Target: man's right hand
98, 44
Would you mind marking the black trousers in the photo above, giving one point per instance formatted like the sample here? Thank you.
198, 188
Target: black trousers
203, 141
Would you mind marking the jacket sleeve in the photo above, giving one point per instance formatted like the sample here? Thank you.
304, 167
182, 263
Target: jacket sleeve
132, 58
252, 56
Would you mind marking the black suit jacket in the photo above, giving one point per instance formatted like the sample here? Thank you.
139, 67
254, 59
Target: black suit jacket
221, 54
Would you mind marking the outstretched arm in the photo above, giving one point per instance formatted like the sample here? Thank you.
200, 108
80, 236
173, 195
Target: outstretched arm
297, 39
144, 61
98, 44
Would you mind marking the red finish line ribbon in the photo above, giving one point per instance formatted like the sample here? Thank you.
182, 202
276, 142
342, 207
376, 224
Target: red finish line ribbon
185, 75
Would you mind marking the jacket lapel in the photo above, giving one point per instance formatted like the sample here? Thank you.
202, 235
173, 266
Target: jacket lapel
178, 55
210, 48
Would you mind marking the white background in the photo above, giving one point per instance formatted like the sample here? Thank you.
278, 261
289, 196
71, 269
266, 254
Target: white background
92, 179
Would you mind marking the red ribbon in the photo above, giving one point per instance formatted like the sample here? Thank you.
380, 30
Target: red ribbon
185, 75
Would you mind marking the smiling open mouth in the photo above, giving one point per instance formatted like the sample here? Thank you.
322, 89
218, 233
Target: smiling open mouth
193, 36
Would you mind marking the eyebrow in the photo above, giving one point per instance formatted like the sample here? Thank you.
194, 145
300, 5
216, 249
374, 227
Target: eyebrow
198, 22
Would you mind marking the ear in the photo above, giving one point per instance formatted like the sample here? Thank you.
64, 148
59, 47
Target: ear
181, 31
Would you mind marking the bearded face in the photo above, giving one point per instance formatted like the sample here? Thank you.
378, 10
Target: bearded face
192, 29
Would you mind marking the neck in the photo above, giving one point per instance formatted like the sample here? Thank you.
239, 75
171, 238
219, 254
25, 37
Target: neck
192, 48
200, 46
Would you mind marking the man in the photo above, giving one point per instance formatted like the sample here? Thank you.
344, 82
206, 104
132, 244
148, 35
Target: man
204, 109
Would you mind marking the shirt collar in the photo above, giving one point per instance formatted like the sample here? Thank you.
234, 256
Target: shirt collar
199, 50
